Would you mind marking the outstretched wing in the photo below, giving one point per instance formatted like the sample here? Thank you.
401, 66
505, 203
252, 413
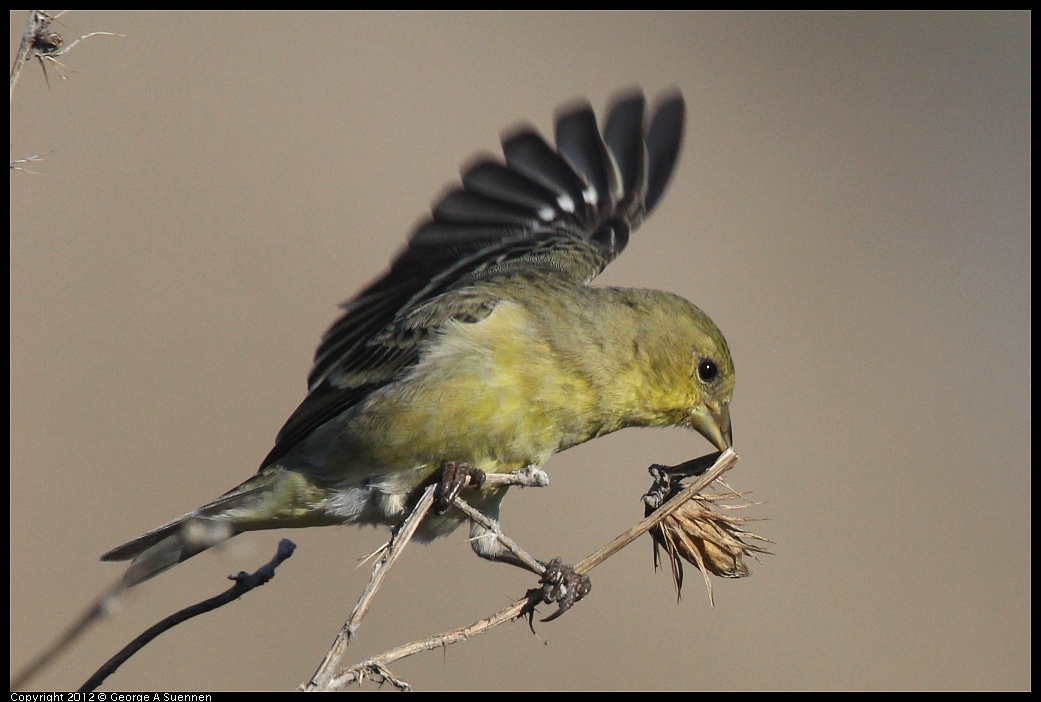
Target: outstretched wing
567, 211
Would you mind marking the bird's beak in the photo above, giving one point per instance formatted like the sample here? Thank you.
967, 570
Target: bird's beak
713, 422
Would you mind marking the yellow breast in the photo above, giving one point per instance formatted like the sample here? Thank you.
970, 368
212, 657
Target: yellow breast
492, 393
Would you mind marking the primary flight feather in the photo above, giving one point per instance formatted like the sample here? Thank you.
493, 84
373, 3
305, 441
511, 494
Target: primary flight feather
484, 345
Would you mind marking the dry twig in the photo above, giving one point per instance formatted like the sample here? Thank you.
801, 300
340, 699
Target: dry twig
39, 41
375, 668
244, 582
320, 681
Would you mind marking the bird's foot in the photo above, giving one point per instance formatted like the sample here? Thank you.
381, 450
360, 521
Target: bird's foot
455, 475
668, 479
561, 584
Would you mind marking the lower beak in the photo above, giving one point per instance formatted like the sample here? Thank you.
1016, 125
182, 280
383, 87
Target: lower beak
713, 422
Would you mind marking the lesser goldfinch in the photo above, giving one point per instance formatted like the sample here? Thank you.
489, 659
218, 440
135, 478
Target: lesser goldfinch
485, 346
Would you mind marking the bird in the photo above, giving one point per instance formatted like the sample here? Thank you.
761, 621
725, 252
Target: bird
484, 348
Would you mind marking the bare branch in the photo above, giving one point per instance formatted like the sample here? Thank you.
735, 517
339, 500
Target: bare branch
376, 668
244, 582
529, 477
338, 651
98, 610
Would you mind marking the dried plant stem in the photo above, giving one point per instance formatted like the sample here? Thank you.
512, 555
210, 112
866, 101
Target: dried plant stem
377, 664
725, 462
95, 612
39, 42
244, 582
37, 20
375, 667
531, 477
320, 680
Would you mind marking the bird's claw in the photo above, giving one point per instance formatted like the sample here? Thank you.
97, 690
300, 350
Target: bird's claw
455, 475
564, 585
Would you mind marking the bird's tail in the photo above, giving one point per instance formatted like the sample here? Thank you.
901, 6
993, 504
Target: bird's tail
252, 505
169, 545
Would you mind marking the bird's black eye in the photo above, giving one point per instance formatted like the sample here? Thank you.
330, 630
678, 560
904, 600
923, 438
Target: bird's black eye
707, 370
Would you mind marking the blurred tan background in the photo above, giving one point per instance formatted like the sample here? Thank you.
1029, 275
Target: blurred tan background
852, 207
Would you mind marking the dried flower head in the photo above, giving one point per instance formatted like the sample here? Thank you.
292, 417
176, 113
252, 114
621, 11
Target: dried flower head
700, 532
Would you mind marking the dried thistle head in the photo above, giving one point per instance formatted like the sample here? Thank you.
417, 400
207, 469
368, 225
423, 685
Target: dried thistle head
700, 532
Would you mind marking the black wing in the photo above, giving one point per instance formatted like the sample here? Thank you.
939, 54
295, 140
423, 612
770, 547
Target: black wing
566, 211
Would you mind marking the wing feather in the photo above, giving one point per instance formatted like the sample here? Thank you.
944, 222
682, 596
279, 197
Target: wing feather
564, 211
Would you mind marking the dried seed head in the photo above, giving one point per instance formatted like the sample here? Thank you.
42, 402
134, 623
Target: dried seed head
701, 533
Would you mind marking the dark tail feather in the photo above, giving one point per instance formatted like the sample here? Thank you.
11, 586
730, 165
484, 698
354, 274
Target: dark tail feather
209, 525
168, 545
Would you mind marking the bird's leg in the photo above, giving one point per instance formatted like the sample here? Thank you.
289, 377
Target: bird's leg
455, 475
558, 583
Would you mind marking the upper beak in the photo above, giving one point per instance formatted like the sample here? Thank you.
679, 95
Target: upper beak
713, 422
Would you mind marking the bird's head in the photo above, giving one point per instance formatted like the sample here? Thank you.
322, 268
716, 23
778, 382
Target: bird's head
687, 368
713, 377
